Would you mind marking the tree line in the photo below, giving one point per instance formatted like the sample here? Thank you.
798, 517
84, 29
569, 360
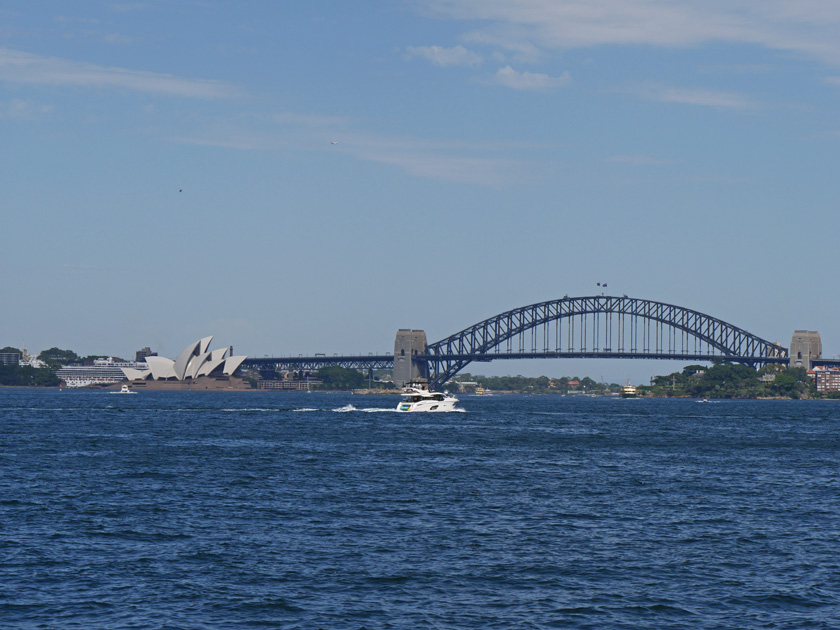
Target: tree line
533, 385
28, 376
721, 380
732, 380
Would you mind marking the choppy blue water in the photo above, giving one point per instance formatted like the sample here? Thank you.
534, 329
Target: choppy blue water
270, 510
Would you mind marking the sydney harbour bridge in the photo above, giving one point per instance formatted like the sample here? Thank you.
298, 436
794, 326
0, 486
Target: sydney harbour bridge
594, 327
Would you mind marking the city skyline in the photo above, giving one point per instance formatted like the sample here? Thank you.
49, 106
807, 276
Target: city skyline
303, 178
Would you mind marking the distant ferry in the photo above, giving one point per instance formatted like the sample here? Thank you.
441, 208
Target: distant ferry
628, 391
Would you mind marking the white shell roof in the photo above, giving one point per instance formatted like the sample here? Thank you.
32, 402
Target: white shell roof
183, 360
161, 367
231, 363
195, 360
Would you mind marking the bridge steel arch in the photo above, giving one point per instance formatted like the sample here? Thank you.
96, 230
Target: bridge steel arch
598, 327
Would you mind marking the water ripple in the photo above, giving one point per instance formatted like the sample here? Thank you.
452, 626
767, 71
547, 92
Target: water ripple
232, 510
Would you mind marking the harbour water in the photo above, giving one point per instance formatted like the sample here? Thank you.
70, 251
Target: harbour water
277, 510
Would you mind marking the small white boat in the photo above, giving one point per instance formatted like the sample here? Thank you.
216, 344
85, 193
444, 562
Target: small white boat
124, 390
419, 398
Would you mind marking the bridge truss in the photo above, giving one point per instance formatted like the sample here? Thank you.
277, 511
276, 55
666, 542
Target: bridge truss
598, 327
601, 327
365, 363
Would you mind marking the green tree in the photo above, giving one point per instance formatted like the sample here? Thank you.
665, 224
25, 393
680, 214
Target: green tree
56, 357
337, 377
785, 385
793, 383
726, 380
588, 384
27, 376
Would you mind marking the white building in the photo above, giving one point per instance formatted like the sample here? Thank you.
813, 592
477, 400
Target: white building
195, 360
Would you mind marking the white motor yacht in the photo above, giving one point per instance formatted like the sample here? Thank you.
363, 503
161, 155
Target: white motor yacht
420, 398
124, 390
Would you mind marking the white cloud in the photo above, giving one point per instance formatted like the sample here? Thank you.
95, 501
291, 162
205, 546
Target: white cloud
519, 48
23, 110
230, 139
706, 98
478, 164
126, 7
639, 160
308, 120
78, 20
703, 97
456, 56
509, 77
807, 27
483, 171
21, 67
481, 164
116, 38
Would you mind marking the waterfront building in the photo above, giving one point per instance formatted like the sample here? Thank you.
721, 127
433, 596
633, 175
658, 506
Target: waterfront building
289, 385
9, 358
826, 379
28, 359
31, 361
141, 355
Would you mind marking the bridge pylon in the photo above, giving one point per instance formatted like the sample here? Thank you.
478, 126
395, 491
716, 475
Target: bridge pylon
407, 346
805, 347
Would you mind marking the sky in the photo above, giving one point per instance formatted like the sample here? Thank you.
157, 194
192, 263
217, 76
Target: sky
305, 177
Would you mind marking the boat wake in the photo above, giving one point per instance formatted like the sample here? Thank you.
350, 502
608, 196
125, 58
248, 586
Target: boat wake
352, 408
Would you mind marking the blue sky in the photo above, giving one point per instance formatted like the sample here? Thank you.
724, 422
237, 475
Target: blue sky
167, 168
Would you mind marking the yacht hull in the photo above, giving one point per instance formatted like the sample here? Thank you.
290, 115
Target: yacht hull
421, 399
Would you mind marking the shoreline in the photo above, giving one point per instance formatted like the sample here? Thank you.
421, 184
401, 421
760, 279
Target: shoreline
245, 387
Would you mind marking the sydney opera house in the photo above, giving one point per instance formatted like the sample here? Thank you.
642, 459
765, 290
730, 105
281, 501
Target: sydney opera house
194, 361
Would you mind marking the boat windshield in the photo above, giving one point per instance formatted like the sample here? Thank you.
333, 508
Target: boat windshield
413, 398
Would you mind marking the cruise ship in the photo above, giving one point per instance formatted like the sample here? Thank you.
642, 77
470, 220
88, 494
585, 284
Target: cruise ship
102, 372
